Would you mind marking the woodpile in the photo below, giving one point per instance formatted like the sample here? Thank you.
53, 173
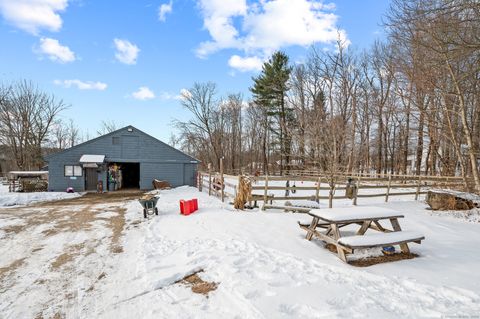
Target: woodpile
33, 185
447, 201
161, 184
244, 192
147, 196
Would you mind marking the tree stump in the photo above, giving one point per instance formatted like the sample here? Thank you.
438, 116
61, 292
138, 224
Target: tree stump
447, 201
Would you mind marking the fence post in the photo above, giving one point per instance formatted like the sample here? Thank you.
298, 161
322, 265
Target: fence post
265, 193
418, 187
222, 185
200, 181
209, 182
356, 190
388, 187
330, 195
317, 192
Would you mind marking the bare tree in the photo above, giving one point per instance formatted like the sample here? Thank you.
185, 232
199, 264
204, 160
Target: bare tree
107, 127
26, 117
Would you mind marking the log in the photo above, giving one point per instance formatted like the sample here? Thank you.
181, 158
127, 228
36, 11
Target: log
160, 184
447, 201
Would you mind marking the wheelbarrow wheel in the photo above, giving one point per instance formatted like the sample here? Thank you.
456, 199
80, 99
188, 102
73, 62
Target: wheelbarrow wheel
156, 211
144, 213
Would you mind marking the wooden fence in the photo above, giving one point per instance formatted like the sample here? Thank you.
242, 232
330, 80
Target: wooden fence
387, 186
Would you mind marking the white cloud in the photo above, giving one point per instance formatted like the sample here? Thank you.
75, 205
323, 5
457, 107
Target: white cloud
55, 51
167, 96
174, 96
82, 85
143, 93
184, 94
33, 15
163, 10
261, 27
127, 52
245, 64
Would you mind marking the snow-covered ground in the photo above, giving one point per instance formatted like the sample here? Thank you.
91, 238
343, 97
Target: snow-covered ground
16, 199
261, 261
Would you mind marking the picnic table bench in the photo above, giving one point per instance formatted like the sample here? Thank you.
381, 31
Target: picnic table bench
331, 220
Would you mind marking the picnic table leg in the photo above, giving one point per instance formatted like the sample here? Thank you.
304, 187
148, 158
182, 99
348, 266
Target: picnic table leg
336, 236
396, 227
328, 231
365, 226
312, 227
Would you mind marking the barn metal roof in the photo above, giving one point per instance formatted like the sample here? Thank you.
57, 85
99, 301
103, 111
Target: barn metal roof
90, 158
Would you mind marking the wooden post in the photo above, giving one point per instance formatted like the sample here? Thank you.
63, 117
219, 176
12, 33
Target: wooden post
265, 193
317, 192
200, 181
222, 185
209, 182
388, 187
330, 195
356, 191
417, 193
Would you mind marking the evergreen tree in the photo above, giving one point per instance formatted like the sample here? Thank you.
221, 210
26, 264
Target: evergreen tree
269, 92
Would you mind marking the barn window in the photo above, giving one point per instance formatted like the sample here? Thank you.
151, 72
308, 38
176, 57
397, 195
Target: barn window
115, 140
73, 170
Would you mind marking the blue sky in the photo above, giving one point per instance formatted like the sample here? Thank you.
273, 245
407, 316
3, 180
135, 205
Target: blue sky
128, 61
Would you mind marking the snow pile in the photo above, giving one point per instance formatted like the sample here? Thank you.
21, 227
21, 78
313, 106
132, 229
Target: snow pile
472, 215
16, 199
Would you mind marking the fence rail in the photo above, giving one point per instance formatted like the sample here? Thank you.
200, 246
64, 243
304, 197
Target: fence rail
353, 185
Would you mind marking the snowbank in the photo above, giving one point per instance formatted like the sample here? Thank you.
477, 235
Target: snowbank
16, 199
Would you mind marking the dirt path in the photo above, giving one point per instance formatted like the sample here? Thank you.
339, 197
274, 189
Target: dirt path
57, 251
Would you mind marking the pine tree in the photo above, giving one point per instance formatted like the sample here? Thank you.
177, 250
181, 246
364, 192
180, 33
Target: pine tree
269, 92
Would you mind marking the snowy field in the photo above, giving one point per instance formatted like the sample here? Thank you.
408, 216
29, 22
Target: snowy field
111, 263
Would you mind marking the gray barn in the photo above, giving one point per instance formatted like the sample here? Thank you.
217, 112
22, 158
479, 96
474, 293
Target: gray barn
126, 158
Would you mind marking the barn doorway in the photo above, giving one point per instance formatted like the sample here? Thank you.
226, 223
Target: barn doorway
124, 176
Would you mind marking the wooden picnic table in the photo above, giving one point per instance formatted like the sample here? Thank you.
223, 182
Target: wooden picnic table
331, 220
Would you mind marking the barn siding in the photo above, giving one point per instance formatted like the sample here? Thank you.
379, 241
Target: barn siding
58, 182
157, 159
189, 174
173, 173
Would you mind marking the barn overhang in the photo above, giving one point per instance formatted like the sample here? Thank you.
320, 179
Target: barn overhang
91, 160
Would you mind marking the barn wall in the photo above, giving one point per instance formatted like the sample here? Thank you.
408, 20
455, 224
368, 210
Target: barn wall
157, 159
58, 182
189, 174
